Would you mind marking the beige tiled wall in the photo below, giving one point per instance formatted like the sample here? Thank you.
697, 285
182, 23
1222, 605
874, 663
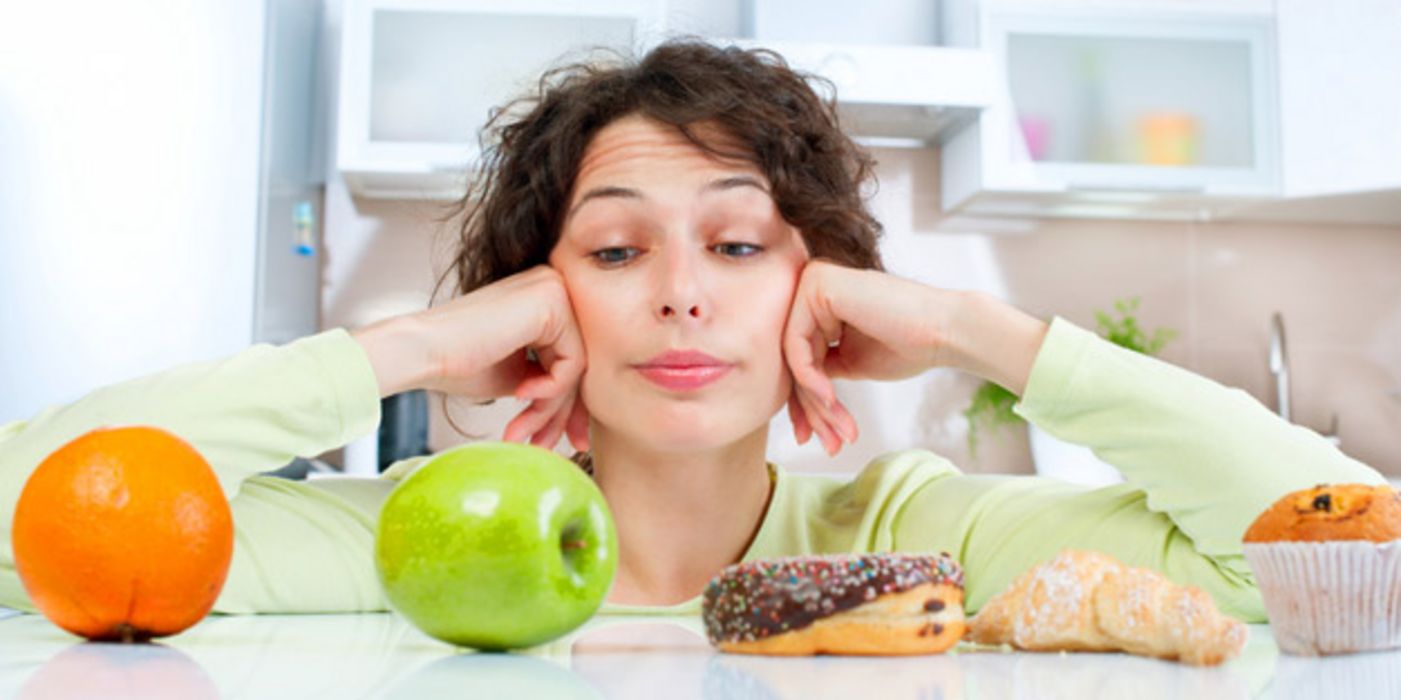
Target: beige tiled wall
1338, 287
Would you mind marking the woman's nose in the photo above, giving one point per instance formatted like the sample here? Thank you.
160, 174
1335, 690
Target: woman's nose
668, 311
680, 289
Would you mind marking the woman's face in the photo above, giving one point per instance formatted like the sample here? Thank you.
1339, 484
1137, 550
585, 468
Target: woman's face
665, 248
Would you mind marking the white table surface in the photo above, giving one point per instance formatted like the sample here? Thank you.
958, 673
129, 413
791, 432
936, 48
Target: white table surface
381, 655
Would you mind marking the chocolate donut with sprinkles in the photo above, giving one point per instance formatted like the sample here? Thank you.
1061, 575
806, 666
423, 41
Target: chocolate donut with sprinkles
869, 604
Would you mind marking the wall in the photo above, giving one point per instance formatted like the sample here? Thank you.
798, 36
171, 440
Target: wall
128, 191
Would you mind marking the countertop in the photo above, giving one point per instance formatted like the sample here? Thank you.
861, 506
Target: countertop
381, 655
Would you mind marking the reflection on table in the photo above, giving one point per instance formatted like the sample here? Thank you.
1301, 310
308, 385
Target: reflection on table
381, 656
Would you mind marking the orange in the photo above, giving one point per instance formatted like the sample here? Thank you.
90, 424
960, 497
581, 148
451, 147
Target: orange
123, 533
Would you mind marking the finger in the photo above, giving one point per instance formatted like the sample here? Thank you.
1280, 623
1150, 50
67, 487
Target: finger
537, 384
548, 436
529, 421
841, 420
811, 332
555, 375
848, 423
520, 425
838, 418
802, 430
831, 442
563, 355
496, 381
577, 426
820, 381
803, 350
835, 364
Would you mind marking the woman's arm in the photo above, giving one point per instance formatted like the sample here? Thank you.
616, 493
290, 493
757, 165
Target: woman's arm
305, 546
397, 353
474, 346
1210, 457
1201, 461
246, 414
990, 339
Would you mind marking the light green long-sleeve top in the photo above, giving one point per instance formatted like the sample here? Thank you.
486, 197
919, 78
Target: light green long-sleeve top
1200, 462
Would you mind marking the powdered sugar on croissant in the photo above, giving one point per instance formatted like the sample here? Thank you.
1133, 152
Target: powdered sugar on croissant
1088, 601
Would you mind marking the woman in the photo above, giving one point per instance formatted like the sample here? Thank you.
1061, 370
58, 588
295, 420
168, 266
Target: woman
664, 254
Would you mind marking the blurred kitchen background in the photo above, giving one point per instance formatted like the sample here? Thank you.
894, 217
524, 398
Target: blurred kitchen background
179, 180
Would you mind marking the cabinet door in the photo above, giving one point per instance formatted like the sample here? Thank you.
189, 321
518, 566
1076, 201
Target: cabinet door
1340, 95
1170, 102
419, 78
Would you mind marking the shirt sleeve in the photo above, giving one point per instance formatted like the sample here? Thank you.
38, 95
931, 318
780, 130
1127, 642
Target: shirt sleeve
1200, 462
246, 414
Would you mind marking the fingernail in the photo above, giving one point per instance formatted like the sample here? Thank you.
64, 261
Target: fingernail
842, 431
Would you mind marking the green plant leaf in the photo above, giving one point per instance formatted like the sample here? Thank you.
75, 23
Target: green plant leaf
1125, 331
991, 406
990, 409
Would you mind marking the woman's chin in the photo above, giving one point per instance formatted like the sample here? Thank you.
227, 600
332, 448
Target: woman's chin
690, 424
695, 435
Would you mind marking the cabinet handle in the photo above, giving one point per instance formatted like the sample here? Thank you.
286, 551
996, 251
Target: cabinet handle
1172, 189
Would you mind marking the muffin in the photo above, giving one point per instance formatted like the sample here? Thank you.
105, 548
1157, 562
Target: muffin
1328, 563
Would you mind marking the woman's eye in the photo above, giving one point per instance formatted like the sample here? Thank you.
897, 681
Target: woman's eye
740, 250
613, 256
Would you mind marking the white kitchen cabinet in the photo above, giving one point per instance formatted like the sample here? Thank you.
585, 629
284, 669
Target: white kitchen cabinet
1340, 96
894, 95
1157, 111
897, 82
418, 78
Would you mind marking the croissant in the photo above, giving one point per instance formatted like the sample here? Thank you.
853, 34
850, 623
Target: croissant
1088, 601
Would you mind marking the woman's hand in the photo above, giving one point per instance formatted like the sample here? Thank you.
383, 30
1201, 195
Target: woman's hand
478, 346
851, 323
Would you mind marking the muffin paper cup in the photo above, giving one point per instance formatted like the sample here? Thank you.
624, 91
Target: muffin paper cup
1330, 597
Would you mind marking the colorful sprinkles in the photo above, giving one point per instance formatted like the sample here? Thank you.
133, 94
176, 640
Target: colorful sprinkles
756, 599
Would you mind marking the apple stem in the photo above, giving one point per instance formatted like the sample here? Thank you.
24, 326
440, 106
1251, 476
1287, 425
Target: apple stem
575, 544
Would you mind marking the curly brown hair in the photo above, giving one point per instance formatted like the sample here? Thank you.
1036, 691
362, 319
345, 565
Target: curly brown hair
768, 114
531, 149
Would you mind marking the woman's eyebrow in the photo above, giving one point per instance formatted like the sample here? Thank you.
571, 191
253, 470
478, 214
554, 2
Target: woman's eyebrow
717, 185
729, 183
602, 192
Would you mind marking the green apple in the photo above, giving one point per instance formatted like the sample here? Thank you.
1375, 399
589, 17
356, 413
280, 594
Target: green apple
496, 545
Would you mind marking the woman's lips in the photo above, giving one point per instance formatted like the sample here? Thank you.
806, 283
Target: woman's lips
679, 378
683, 369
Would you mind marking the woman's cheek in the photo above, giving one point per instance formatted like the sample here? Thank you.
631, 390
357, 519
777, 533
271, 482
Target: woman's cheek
606, 359
770, 320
